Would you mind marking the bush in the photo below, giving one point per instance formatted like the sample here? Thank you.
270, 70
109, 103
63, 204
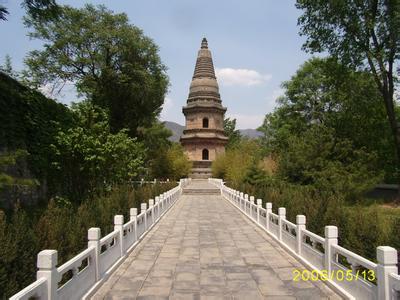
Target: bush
63, 226
234, 165
17, 252
180, 165
361, 228
88, 157
171, 163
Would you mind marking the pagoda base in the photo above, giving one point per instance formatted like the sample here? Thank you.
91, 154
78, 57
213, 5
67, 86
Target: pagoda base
201, 169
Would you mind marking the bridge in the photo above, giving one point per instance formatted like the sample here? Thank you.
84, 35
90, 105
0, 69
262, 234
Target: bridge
203, 239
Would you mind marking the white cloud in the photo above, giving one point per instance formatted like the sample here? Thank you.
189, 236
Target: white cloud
241, 77
244, 121
168, 104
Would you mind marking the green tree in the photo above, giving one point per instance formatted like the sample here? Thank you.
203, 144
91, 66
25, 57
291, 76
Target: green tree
317, 157
231, 132
363, 34
171, 163
110, 61
155, 140
7, 66
325, 93
88, 157
180, 165
38, 9
236, 162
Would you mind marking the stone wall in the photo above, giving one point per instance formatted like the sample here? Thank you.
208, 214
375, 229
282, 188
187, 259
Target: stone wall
195, 121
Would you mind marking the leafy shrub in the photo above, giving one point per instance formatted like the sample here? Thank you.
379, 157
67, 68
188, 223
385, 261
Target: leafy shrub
63, 226
87, 156
235, 163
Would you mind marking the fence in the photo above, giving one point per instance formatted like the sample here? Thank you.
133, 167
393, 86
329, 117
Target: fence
83, 274
348, 273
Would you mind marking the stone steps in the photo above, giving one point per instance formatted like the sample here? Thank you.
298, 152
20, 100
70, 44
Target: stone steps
201, 191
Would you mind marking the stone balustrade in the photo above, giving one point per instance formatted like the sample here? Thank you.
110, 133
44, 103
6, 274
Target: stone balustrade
362, 278
81, 276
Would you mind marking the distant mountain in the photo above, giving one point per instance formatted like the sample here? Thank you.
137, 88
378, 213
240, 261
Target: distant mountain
177, 131
251, 133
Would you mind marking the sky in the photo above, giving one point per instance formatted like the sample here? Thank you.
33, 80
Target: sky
254, 43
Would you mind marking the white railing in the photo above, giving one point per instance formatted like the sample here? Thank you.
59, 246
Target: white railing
349, 274
80, 276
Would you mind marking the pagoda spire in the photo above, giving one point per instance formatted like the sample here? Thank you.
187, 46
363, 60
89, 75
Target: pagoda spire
204, 63
204, 44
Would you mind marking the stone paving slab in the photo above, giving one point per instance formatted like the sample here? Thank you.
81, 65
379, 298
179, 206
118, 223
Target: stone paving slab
204, 248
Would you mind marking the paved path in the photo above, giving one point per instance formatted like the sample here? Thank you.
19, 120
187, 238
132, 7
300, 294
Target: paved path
204, 248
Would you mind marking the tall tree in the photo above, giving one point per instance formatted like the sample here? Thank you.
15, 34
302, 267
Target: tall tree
231, 132
155, 140
363, 34
38, 9
7, 66
111, 62
326, 102
87, 157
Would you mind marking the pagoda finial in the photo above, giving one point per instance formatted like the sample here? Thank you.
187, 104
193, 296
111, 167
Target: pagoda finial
204, 44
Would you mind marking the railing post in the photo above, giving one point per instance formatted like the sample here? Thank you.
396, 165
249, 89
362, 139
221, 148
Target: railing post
331, 238
161, 205
387, 264
94, 236
259, 205
268, 208
143, 208
151, 207
246, 201
241, 201
251, 206
119, 225
301, 225
133, 216
47, 265
167, 200
282, 216
164, 202
158, 203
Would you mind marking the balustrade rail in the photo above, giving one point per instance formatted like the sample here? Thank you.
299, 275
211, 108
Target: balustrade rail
83, 274
349, 274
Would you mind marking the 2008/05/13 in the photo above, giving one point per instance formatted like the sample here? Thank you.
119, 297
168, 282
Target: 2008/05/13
336, 275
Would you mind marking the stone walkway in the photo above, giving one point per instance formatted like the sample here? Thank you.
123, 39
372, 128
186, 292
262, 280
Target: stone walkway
204, 248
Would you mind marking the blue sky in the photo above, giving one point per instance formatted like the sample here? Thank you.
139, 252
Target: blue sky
254, 43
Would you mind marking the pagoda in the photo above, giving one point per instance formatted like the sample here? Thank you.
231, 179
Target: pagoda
203, 138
